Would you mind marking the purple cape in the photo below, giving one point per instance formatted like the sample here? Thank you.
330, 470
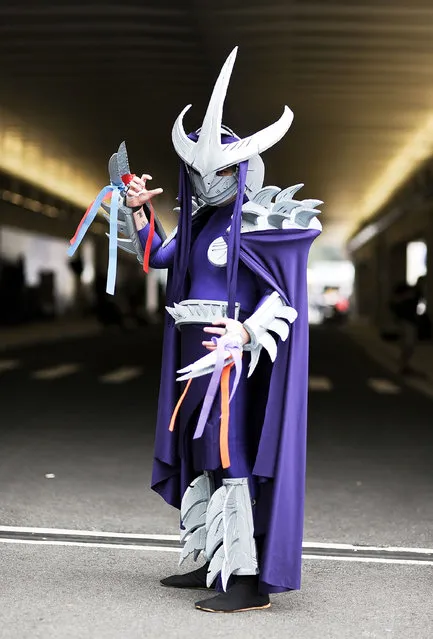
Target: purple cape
279, 257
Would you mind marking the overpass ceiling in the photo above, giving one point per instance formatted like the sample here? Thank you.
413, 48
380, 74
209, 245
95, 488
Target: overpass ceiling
357, 74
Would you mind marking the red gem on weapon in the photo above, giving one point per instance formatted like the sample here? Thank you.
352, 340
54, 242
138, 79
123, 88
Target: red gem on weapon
126, 179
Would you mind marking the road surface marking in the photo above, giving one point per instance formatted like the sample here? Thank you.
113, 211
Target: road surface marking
37, 530
124, 374
352, 547
317, 557
86, 544
8, 364
86, 533
170, 543
56, 371
319, 383
371, 560
384, 386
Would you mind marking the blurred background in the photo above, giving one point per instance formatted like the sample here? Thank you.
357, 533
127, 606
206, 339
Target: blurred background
79, 78
79, 370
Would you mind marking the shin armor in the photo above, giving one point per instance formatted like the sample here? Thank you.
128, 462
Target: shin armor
230, 544
220, 525
195, 502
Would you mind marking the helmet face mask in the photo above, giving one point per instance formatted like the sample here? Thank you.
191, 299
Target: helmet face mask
219, 187
216, 188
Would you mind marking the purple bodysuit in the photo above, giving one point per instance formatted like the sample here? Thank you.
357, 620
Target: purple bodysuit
209, 282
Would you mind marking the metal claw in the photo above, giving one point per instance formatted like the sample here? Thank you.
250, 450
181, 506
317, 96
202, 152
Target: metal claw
203, 366
113, 170
122, 160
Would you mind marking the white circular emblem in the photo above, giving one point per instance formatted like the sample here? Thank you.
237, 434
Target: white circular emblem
217, 252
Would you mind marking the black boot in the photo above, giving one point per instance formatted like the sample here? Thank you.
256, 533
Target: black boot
195, 579
242, 596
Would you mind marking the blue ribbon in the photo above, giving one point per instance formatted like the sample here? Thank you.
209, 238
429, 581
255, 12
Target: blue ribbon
112, 242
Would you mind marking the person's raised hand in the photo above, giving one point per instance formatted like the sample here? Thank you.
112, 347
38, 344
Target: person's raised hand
138, 194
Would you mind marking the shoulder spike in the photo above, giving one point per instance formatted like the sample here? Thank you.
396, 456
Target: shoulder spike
287, 194
265, 195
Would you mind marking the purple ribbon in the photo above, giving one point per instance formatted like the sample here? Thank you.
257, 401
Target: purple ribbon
224, 345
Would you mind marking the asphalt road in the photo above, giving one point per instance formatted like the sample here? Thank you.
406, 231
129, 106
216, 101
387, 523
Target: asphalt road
76, 433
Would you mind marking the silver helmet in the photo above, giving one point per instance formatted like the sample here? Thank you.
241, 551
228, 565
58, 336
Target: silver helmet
208, 157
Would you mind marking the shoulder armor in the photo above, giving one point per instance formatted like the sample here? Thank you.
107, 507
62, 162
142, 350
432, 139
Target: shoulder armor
263, 212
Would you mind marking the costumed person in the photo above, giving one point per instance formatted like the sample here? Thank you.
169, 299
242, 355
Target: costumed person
230, 445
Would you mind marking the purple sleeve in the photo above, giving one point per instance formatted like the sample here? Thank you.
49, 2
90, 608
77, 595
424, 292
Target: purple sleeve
160, 256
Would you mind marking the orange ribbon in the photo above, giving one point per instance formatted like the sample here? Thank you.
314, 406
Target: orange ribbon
225, 415
178, 405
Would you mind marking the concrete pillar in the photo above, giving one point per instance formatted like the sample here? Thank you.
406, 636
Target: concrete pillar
382, 282
372, 281
429, 278
358, 305
364, 295
397, 264
393, 272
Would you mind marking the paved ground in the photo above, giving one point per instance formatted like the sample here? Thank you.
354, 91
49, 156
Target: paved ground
72, 593
83, 410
